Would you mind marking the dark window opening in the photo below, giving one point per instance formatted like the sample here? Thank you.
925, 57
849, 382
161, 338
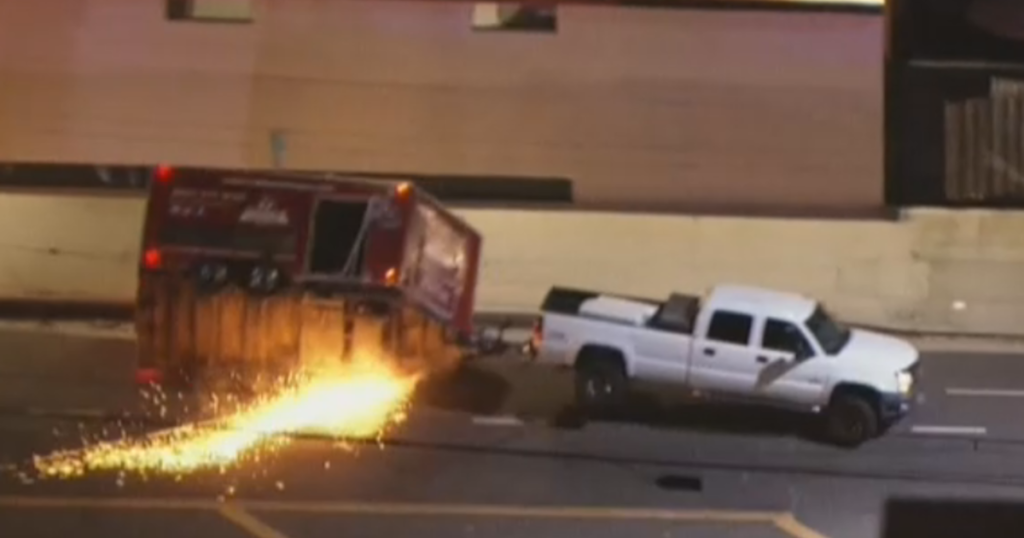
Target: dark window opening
676, 315
239, 11
338, 238
979, 30
786, 337
730, 327
953, 103
515, 16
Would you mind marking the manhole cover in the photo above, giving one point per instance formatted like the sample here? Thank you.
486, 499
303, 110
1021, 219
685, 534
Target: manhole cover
675, 482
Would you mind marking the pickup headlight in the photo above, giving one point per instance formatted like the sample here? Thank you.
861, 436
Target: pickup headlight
904, 382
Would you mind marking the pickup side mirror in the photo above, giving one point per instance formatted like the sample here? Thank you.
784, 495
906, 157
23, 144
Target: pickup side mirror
803, 353
787, 358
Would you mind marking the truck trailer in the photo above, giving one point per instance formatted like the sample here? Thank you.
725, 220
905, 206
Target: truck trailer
253, 272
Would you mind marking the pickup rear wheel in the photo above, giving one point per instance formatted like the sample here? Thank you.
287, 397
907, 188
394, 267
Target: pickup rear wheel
851, 420
600, 385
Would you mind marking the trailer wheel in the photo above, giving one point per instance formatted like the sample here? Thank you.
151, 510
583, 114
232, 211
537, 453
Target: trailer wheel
210, 277
601, 381
265, 279
851, 420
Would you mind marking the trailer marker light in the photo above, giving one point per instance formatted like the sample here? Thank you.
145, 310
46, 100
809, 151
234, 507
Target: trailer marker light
152, 258
164, 173
148, 376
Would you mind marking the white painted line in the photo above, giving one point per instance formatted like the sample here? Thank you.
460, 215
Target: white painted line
949, 430
497, 421
990, 393
249, 523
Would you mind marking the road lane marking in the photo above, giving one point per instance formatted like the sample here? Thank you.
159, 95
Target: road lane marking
990, 393
67, 413
788, 524
397, 509
511, 511
239, 516
949, 430
109, 503
239, 512
487, 420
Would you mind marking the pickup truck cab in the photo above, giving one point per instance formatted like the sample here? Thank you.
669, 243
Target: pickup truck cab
738, 342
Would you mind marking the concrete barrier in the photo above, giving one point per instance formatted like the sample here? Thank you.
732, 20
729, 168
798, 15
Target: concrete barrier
932, 271
81, 248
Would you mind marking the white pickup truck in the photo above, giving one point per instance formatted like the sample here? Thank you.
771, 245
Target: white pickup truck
739, 342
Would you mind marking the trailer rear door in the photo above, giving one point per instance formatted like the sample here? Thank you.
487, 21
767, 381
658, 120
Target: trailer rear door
440, 263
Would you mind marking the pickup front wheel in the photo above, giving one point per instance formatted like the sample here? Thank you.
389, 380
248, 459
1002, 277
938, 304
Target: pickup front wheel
851, 420
600, 385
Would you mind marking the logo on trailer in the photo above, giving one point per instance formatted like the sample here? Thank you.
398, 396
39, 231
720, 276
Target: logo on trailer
385, 212
265, 213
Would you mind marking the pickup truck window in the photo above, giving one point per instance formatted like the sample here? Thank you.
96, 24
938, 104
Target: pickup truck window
784, 336
831, 334
730, 327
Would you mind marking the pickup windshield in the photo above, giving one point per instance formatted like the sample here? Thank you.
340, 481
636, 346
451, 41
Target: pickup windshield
831, 334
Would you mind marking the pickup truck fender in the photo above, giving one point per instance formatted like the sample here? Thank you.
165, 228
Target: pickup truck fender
888, 405
566, 341
868, 379
604, 353
864, 390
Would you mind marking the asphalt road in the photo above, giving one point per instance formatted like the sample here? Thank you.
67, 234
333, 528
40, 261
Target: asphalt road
489, 454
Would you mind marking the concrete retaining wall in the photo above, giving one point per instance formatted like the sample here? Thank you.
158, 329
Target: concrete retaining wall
909, 275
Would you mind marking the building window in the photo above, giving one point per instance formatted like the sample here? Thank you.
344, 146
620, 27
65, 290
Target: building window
210, 10
515, 17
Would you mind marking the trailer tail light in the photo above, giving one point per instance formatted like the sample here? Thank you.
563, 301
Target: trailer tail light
402, 190
536, 338
152, 259
148, 376
164, 173
391, 277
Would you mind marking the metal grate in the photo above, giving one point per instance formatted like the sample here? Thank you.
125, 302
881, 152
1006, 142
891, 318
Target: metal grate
984, 145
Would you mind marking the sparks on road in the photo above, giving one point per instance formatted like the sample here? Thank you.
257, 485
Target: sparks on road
356, 401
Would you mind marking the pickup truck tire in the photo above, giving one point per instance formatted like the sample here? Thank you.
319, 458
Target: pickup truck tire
601, 384
851, 420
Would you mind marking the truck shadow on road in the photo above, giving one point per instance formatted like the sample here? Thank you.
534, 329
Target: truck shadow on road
545, 396
716, 418
467, 389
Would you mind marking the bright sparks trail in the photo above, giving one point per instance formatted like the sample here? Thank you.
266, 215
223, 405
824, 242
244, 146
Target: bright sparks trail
360, 401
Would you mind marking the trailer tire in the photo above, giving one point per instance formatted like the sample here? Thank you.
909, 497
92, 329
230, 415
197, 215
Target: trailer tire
601, 381
265, 279
851, 420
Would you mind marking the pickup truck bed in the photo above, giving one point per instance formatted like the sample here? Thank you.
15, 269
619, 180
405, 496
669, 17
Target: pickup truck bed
677, 315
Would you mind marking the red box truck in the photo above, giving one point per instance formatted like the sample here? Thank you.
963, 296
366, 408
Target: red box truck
253, 270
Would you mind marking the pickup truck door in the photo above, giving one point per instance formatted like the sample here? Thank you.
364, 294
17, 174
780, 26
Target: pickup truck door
661, 355
722, 358
791, 370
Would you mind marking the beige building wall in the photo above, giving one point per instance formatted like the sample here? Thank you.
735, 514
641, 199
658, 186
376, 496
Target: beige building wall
640, 107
